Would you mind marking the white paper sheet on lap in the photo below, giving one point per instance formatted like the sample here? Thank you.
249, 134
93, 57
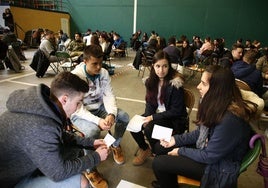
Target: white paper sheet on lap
135, 124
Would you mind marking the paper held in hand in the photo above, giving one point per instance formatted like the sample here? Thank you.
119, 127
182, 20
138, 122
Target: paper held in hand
135, 124
160, 132
109, 140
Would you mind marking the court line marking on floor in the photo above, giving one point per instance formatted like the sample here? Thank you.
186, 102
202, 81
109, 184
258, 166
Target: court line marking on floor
23, 83
29, 84
139, 101
16, 77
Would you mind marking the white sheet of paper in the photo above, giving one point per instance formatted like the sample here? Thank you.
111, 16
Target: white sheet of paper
135, 124
109, 140
160, 132
126, 184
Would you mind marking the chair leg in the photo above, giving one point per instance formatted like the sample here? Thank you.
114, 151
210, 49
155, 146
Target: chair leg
143, 71
140, 69
54, 67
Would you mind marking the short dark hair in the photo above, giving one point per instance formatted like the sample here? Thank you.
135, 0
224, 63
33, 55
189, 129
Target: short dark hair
236, 45
250, 56
67, 82
172, 40
78, 33
92, 50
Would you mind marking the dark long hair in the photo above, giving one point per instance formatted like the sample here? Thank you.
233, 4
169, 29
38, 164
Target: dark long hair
153, 80
223, 95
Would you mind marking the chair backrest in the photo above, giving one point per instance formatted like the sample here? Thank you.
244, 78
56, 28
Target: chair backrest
189, 101
242, 85
252, 154
62, 55
68, 63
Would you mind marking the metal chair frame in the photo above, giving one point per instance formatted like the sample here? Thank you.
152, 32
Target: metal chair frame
68, 64
144, 65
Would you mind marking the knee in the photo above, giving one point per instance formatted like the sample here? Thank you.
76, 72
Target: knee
87, 128
92, 133
148, 129
123, 116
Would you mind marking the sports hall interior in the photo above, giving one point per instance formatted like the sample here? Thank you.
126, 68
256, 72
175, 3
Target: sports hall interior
228, 19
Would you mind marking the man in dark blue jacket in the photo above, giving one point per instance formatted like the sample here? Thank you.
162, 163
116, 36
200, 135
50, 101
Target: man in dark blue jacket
246, 71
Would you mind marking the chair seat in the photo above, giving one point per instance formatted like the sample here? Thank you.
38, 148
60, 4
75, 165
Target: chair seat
67, 64
188, 181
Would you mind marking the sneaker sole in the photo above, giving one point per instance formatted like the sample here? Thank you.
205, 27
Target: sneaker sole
119, 163
92, 186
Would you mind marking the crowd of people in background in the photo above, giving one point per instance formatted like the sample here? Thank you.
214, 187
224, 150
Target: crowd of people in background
249, 55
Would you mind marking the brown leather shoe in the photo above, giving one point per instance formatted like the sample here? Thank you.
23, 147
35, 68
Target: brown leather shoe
118, 154
141, 156
96, 180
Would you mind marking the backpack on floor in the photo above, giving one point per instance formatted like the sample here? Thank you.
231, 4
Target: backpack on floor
12, 61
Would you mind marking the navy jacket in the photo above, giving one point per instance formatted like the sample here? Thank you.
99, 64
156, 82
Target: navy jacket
174, 104
226, 147
249, 74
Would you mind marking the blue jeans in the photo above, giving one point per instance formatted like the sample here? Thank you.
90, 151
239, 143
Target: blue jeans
45, 182
90, 129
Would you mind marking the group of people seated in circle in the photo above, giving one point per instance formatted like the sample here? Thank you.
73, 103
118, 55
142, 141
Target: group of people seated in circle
48, 154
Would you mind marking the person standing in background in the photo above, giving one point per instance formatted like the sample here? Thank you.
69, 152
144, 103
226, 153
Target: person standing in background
9, 21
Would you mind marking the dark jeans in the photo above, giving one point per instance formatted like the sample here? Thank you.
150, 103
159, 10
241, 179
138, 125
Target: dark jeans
166, 168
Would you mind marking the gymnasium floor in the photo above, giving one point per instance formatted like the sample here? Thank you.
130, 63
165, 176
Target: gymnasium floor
130, 91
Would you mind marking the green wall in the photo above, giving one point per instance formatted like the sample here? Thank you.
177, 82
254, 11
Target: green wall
230, 19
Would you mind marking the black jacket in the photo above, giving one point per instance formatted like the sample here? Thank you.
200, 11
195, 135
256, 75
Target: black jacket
40, 63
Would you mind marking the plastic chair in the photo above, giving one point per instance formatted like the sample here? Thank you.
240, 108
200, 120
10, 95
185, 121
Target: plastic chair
189, 101
249, 158
68, 65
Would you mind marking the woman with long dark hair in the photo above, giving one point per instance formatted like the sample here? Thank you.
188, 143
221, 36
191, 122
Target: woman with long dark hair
220, 141
164, 104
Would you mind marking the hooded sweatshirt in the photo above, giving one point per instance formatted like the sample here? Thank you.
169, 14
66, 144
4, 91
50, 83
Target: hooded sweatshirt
32, 139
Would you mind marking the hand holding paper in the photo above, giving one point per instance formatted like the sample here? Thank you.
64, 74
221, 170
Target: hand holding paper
135, 124
109, 140
160, 132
